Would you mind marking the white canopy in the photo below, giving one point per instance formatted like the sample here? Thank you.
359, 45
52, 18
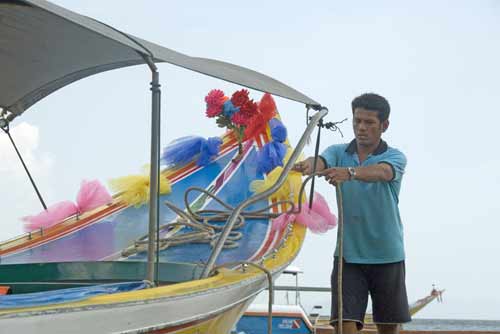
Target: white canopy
44, 47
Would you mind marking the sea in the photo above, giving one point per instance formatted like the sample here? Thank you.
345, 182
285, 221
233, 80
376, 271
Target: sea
453, 325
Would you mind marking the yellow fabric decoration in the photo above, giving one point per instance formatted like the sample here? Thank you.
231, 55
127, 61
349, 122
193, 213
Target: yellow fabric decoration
289, 190
134, 189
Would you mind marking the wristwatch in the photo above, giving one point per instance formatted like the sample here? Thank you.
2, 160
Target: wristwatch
352, 173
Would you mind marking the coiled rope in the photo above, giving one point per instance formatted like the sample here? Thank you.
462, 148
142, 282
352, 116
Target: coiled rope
201, 222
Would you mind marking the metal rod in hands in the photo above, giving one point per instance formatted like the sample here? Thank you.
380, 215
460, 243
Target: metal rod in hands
288, 167
154, 167
340, 268
6, 130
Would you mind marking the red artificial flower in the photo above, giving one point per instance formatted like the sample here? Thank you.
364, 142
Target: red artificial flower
250, 108
213, 111
247, 111
215, 99
240, 97
238, 119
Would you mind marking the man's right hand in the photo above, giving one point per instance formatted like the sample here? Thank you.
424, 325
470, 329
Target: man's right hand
306, 166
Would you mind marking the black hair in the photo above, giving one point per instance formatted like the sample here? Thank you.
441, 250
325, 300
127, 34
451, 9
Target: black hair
372, 101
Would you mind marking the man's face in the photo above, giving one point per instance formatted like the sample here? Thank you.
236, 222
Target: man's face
367, 126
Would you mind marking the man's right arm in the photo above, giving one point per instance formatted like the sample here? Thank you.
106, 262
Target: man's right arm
306, 166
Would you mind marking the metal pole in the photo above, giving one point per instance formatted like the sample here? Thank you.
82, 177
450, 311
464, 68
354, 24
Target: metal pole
296, 289
154, 168
270, 287
301, 288
6, 130
236, 212
157, 250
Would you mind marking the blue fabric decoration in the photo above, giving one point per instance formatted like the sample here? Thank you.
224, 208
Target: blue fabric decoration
209, 149
228, 108
183, 150
67, 295
273, 153
271, 156
278, 130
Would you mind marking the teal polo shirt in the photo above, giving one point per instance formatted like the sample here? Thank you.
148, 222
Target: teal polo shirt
373, 232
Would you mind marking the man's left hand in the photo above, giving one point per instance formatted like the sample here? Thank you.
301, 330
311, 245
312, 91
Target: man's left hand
336, 175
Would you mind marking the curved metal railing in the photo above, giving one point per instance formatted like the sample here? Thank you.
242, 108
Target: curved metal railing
315, 119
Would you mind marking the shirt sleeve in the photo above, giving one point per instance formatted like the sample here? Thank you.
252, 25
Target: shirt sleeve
330, 156
397, 160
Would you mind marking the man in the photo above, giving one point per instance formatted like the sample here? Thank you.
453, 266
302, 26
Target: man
369, 173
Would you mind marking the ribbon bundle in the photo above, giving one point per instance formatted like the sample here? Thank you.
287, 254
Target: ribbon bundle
134, 189
92, 195
290, 188
318, 219
182, 150
273, 153
257, 125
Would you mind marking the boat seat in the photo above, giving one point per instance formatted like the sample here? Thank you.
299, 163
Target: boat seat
35, 277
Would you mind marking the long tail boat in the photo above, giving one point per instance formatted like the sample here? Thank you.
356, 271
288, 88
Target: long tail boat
156, 267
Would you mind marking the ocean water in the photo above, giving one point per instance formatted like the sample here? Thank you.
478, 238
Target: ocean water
453, 324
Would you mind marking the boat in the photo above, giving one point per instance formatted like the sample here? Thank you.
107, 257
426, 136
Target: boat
187, 260
292, 318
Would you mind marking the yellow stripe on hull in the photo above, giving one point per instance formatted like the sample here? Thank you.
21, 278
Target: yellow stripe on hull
222, 323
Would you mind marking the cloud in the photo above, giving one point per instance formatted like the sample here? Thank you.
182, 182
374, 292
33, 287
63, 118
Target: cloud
26, 137
16, 192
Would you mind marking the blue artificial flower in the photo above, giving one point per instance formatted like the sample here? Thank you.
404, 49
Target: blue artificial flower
228, 108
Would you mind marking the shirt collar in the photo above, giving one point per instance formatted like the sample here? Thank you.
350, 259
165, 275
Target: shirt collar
353, 147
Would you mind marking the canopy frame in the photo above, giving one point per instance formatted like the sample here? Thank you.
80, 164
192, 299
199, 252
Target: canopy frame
30, 28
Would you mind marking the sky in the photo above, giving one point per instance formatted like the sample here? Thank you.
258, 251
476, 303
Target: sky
435, 61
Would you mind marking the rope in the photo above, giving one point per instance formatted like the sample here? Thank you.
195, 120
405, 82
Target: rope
333, 126
200, 221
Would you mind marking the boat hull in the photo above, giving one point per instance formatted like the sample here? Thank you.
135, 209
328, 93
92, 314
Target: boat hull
209, 311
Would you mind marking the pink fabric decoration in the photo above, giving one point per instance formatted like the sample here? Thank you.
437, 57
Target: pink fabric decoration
318, 219
53, 215
92, 195
320, 206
